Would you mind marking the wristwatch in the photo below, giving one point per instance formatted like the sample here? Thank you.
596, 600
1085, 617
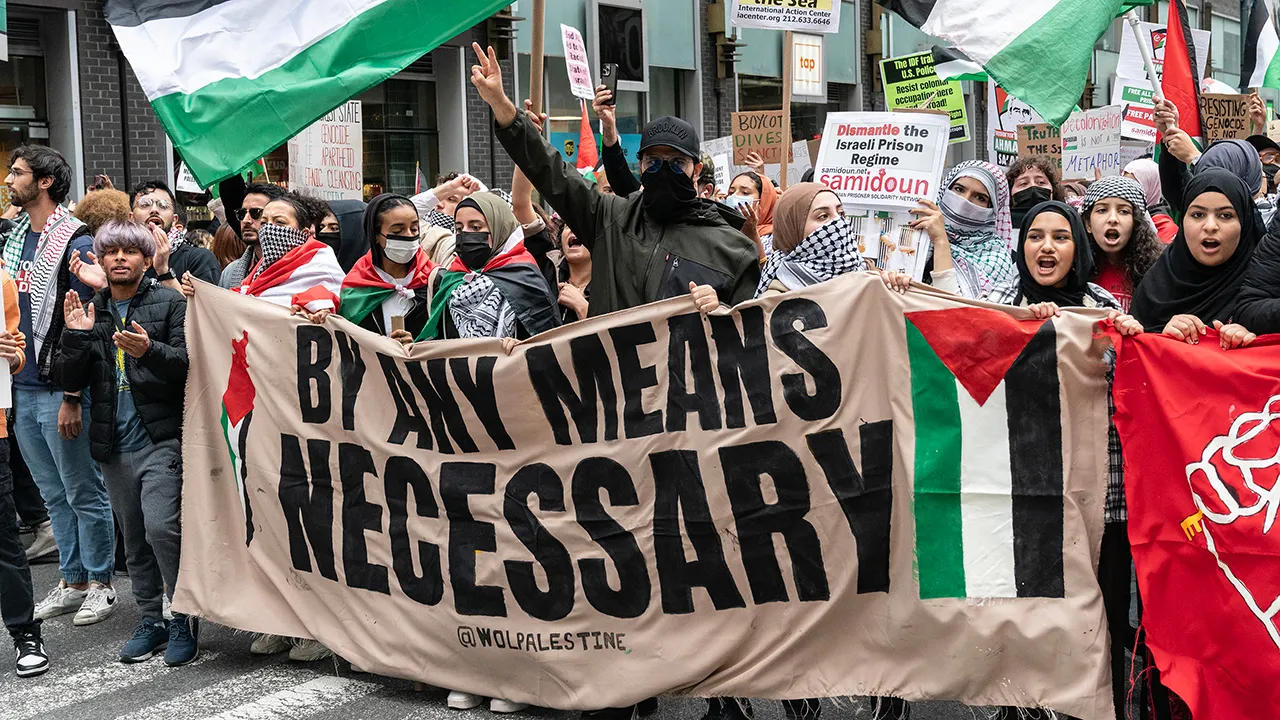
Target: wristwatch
71, 399
166, 276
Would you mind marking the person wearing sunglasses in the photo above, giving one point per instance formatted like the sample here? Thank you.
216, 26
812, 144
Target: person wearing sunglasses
650, 245
245, 205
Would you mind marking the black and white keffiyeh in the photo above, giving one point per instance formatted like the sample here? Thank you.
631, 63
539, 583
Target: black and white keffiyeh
479, 310
276, 242
440, 220
177, 236
826, 253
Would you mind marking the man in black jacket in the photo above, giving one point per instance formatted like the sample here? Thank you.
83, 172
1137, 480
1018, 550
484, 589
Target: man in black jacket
129, 347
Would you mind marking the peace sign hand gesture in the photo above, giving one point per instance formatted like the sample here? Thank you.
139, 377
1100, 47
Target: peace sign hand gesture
486, 75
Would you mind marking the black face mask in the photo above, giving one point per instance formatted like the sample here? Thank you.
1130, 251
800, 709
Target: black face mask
668, 194
473, 249
1269, 173
332, 239
1032, 196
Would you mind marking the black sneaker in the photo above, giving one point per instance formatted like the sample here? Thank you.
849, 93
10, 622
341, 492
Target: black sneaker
32, 659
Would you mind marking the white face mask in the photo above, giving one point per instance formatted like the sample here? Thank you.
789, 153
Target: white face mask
400, 250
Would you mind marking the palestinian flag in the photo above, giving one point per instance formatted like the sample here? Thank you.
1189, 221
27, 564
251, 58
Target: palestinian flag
233, 79
1178, 78
364, 290
951, 64
237, 412
306, 276
1260, 62
989, 470
516, 275
1038, 50
587, 155
419, 180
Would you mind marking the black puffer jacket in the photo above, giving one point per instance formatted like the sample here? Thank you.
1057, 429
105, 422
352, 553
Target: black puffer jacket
158, 379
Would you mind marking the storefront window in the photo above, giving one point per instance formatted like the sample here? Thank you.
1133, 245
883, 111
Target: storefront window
765, 93
401, 134
666, 91
23, 110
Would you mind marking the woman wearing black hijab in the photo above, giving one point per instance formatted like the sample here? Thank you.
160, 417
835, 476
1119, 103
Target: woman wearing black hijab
388, 291
1055, 261
1195, 283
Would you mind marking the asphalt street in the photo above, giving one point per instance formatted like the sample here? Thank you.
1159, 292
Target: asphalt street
87, 682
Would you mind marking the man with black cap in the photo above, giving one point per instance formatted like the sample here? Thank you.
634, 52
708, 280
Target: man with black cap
645, 247
1269, 154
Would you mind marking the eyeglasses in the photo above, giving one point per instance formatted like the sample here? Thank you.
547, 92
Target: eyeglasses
679, 163
146, 203
255, 213
19, 172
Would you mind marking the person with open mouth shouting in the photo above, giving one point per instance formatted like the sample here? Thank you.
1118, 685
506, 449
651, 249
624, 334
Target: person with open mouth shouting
1195, 283
1121, 235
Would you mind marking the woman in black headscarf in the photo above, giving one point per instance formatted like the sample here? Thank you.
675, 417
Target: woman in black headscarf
1195, 282
1055, 261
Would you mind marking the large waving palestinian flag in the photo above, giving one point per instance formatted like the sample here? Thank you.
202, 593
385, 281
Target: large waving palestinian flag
237, 412
988, 467
232, 80
1038, 50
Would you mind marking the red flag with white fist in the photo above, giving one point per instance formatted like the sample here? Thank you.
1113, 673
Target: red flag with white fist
1200, 428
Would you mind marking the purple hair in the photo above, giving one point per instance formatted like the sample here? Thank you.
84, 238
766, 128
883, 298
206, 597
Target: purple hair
125, 234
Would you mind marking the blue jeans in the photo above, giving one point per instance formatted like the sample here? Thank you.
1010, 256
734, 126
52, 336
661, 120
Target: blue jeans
71, 484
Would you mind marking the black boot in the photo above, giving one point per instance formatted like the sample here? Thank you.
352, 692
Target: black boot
727, 708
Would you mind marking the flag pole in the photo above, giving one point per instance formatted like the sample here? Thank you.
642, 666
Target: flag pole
536, 54
1132, 18
786, 109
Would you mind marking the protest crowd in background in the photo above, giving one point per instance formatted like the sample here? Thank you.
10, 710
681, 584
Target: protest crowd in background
1181, 240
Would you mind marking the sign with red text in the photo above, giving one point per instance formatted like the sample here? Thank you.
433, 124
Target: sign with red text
327, 159
1091, 143
807, 72
575, 59
757, 132
1137, 108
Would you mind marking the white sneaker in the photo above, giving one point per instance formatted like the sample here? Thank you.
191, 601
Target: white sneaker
43, 544
502, 707
32, 659
309, 651
60, 601
459, 700
98, 605
269, 644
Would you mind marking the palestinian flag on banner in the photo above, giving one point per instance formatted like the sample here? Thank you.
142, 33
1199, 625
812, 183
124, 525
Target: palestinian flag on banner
233, 79
587, 155
1260, 62
1038, 50
988, 466
237, 412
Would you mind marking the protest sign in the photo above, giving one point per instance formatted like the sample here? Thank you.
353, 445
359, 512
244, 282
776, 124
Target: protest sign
758, 131
1137, 109
186, 182
1004, 114
609, 497
1091, 142
910, 83
815, 16
800, 159
881, 165
1130, 64
575, 59
1041, 140
1202, 495
1225, 117
722, 172
327, 159
1131, 150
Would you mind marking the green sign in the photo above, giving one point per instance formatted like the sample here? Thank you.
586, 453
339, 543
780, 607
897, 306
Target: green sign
4, 31
911, 83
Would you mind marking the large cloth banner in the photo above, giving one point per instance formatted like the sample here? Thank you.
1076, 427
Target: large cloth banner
841, 491
1201, 467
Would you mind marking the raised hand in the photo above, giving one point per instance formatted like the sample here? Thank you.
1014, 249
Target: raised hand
608, 114
75, 315
89, 273
486, 75
163, 248
756, 163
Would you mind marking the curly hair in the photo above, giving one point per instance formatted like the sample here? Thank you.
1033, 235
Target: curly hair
1139, 254
1041, 163
99, 206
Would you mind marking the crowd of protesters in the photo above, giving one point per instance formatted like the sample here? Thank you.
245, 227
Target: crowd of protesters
94, 306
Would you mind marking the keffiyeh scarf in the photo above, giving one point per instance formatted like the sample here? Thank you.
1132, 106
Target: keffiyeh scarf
50, 253
1116, 186
479, 310
826, 253
983, 258
177, 236
276, 241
